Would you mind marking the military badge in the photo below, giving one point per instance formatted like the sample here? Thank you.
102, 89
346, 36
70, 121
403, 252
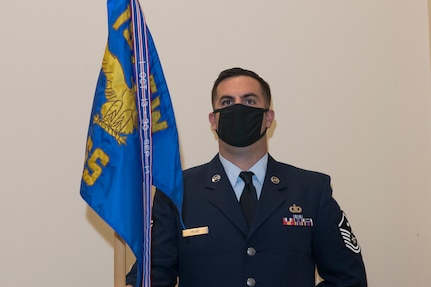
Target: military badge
348, 237
295, 209
297, 220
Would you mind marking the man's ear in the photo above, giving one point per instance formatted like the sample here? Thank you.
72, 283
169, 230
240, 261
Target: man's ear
212, 120
270, 115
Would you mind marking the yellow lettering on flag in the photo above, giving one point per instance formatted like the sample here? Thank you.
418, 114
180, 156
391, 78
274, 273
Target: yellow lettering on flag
94, 170
123, 18
155, 114
157, 125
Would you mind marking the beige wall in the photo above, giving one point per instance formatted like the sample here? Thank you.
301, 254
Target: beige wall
352, 95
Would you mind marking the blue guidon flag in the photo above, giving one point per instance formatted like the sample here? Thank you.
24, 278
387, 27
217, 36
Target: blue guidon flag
132, 140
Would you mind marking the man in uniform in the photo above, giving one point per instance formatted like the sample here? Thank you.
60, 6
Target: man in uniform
250, 220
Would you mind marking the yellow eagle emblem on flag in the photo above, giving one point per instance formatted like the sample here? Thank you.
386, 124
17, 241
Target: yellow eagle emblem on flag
118, 116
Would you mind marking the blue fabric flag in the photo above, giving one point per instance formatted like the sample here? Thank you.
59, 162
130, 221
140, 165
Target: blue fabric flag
167, 174
132, 138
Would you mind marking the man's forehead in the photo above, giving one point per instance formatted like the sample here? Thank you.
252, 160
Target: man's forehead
239, 86
239, 80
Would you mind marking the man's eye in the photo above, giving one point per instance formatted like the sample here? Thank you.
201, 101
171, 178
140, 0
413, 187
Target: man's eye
226, 102
250, 102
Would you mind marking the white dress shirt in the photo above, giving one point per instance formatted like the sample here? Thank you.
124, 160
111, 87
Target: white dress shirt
232, 171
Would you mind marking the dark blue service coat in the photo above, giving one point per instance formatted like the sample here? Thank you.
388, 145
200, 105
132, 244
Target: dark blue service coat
298, 226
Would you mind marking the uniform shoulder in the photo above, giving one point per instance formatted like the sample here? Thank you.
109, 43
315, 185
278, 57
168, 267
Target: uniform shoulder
202, 168
195, 169
296, 171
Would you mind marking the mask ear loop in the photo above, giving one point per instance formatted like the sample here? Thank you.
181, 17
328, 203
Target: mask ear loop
218, 110
264, 132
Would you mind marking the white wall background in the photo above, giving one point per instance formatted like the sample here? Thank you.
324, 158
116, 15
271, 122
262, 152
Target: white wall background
352, 94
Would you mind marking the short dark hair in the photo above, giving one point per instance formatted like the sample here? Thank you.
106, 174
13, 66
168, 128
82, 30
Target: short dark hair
235, 72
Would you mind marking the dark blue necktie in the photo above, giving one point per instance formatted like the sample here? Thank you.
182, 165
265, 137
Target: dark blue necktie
248, 199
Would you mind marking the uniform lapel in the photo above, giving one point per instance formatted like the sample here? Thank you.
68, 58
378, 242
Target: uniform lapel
222, 196
273, 193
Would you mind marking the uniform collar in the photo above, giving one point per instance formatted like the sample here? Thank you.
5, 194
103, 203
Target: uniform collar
233, 171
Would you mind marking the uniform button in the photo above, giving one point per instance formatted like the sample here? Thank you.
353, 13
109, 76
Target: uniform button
251, 251
251, 282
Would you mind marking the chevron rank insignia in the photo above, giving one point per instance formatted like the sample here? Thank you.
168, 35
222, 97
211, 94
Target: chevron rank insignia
348, 237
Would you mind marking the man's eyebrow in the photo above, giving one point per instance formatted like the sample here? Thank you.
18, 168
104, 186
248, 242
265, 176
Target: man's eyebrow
248, 95
244, 96
224, 97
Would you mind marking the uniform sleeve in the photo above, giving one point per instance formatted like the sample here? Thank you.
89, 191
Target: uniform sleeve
131, 276
164, 261
335, 247
164, 242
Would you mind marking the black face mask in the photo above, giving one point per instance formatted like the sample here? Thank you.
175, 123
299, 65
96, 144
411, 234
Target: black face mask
239, 125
